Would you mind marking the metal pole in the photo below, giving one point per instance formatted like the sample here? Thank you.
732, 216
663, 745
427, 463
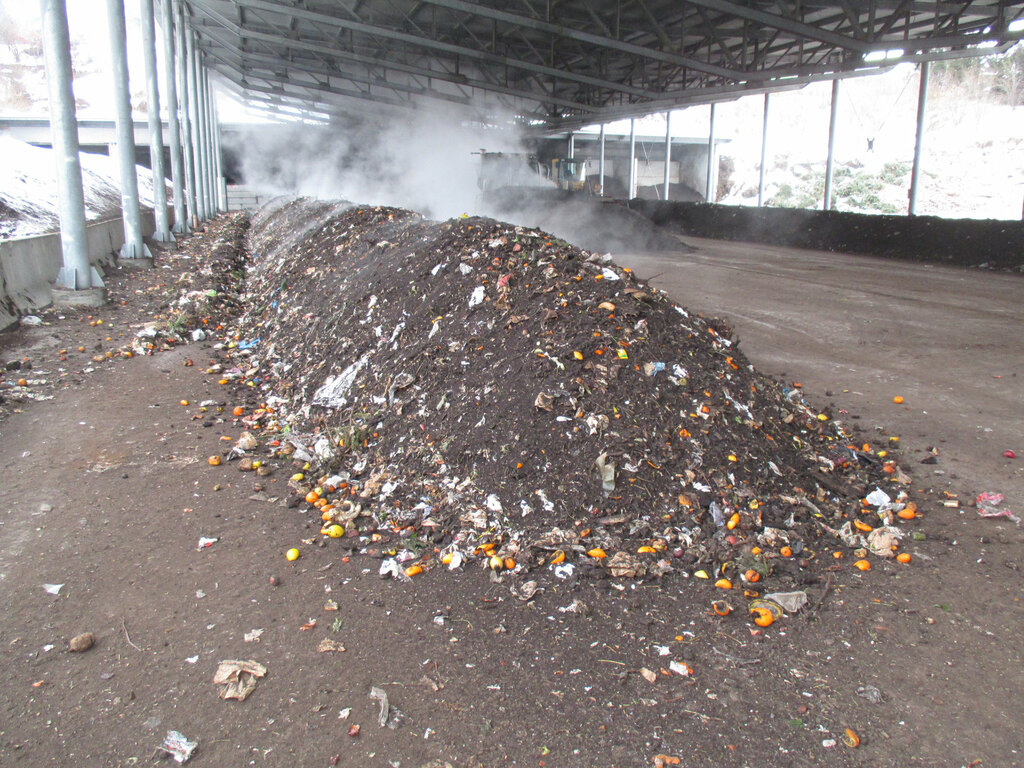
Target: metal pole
764, 153
222, 192
632, 159
76, 274
830, 161
922, 105
134, 252
181, 61
708, 192
204, 134
211, 162
572, 145
193, 120
668, 150
174, 140
162, 231
600, 167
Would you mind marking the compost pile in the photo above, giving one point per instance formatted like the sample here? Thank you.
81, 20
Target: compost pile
474, 391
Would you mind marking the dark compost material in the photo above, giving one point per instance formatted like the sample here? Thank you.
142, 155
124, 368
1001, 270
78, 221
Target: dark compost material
486, 391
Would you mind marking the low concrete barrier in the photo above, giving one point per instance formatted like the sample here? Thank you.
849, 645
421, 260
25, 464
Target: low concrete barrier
29, 265
958, 242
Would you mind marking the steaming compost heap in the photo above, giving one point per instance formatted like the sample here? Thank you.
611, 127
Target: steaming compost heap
474, 391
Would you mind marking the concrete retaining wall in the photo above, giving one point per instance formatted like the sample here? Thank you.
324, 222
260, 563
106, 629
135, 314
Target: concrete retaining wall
29, 265
959, 242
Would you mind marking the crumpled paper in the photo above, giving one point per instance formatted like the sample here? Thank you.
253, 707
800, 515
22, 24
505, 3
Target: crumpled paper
238, 678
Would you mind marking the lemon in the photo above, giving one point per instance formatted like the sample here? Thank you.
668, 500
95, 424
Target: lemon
335, 531
291, 555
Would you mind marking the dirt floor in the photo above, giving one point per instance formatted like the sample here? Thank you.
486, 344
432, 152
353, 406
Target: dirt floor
106, 490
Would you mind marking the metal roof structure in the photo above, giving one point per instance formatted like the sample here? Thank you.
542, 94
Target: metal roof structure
562, 64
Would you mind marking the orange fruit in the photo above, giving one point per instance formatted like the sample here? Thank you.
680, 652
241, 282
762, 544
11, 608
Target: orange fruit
786, 552
414, 570
311, 497
213, 461
898, 400
239, 410
903, 557
762, 617
862, 565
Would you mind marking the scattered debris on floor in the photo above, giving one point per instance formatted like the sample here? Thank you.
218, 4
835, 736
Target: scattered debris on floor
238, 678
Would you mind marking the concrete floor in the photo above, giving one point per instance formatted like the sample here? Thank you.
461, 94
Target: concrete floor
858, 331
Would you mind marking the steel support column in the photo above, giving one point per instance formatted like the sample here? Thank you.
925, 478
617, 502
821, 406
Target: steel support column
134, 252
211, 173
571, 146
76, 273
922, 106
600, 167
830, 160
632, 159
181, 62
764, 154
668, 151
162, 231
204, 134
192, 89
709, 191
222, 191
173, 127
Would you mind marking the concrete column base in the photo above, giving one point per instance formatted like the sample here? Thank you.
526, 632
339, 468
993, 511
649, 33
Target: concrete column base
86, 297
145, 263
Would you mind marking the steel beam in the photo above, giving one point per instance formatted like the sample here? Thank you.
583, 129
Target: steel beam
600, 167
173, 126
915, 173
437, 45
830, 159
76, 273
601, 41
134, 252
792, 26
162, 231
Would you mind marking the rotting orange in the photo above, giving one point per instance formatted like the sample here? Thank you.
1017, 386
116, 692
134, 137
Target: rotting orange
903, 557
238, 410
762, 617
